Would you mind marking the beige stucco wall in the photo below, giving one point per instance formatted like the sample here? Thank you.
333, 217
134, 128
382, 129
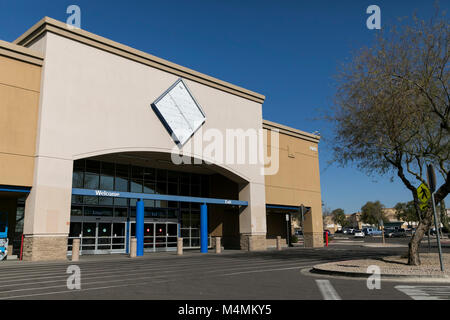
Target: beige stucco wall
19, 92
94, 102
298, 178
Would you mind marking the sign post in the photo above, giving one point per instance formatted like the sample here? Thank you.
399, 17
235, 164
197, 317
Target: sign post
432, 184
288, 240
382, 230
424, 194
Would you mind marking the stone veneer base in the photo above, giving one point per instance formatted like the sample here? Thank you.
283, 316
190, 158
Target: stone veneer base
253, 242
44, 248
313, 239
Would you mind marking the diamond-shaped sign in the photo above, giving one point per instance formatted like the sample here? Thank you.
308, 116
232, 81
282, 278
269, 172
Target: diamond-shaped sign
424, 194
179, 112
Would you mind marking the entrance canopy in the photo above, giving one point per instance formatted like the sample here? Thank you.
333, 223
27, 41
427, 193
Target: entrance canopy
152, 196
14, 189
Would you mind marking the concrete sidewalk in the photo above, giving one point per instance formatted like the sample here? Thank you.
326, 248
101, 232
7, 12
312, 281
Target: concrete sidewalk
391, 267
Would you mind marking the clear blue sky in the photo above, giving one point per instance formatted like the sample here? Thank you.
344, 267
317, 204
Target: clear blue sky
286, 50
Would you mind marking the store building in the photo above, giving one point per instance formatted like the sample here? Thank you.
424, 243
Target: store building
84, 150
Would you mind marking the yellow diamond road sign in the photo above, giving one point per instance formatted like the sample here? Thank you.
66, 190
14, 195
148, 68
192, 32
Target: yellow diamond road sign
424, 194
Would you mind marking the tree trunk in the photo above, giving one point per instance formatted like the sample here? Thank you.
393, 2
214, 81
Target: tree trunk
444, 217
425, 223
422, 228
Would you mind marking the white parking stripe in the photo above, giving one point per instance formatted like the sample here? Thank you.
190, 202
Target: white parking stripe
126, 276
88, 289
159, 273
426, 292
266, 270
149, 278
145, 267
327, 290
128, 269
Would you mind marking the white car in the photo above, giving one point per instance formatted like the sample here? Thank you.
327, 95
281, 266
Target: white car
359, 234
348, 231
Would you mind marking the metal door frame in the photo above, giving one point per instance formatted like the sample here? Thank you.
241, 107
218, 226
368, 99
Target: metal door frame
97, 221
154, 223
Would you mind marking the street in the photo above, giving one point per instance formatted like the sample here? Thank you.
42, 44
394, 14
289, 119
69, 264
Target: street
233, 275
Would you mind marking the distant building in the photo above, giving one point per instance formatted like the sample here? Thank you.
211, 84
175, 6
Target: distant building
354, 220
391, 215
329, 224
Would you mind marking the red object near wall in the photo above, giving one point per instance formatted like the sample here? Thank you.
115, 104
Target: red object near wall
326, 238
21, 248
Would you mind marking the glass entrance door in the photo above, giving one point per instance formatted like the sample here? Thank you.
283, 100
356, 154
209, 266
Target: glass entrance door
98, 237
89, 237
104, 236
118, 237
158, 236
149, 236
172, 235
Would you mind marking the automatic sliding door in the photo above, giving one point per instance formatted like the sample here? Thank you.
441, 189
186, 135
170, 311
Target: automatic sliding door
157, 236
118, 237
172, 235
88, 237
161, 236
104, 236
149, 236
98, 237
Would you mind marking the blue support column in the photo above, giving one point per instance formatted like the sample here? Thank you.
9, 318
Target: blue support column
140, 228
204, 228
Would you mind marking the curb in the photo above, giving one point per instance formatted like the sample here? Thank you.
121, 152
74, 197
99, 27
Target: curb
319, 270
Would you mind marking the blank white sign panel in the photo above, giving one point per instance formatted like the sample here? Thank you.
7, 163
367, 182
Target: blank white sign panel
180, 111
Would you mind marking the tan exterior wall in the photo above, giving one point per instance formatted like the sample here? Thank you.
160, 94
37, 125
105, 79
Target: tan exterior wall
298, 178
19, 91
97, 101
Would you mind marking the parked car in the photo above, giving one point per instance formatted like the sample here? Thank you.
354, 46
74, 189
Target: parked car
389, 232
359, 234
399, 233
372, 232
349, 231
299, 233
345, 230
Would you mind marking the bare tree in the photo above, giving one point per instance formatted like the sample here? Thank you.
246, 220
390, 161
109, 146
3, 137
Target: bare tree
392, 110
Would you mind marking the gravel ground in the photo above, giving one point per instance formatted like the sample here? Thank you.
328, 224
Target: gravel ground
386, 245
393, 265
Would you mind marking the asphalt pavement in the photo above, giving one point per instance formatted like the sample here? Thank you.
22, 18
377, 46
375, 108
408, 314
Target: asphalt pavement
232, 275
